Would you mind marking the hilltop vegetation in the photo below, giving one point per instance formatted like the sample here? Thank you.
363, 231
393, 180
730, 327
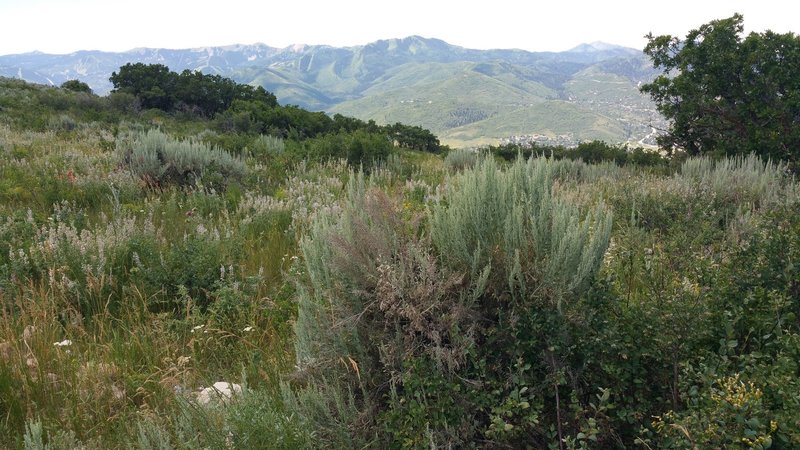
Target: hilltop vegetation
369, 290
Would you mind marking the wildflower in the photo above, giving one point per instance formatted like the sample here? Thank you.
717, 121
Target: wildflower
247, 329
64, 343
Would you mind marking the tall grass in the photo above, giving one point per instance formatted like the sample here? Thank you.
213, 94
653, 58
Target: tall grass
120, 282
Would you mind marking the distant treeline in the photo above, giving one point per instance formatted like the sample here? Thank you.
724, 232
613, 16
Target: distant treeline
241, 108
589, 152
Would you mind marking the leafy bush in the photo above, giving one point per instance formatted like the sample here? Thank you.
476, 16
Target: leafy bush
358, 148
729, 414
76, 86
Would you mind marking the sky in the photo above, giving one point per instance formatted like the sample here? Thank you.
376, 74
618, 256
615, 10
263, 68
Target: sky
64, 26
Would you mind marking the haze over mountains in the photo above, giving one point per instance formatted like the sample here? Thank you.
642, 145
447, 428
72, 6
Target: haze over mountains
465, 96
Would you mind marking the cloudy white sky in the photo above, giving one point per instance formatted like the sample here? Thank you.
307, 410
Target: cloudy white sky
63, 26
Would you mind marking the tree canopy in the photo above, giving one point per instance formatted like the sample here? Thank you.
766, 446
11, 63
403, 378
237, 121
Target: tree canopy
76, 86
728, 94
158, 87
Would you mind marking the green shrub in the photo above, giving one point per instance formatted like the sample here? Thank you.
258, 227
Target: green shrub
265, 146
741, 180
76, 86
62, 123
404, 316
359, 148
460, 159
589, 152
731, 413
160, 160
511, 223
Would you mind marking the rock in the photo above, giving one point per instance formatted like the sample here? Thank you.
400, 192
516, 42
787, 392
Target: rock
221, 391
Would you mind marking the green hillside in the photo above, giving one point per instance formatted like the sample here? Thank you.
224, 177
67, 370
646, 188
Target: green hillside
476, 103
452, 95
551, 119
290, 91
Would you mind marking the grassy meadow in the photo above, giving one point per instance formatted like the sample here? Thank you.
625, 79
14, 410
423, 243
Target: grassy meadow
421, 300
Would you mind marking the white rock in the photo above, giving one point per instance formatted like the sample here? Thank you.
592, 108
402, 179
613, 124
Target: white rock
220, 391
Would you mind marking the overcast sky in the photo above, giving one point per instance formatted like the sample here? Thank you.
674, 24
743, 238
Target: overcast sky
64, 26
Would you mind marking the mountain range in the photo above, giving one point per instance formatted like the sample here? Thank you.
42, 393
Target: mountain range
465, 96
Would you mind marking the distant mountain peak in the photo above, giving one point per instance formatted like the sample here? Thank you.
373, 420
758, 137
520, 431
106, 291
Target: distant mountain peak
296, 48
139, 50
597, 46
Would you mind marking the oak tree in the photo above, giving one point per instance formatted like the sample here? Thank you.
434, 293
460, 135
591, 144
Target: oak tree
728, 94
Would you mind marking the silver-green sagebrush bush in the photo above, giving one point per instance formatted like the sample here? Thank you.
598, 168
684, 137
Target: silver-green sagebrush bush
742, 180
265, 146
394, 304
319, 333
511, 220
461, 158
158, 159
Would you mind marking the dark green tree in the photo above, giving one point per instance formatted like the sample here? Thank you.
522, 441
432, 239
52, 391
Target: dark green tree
728, 94
152, 84
211, 94
414, 137
76, 86
195, 92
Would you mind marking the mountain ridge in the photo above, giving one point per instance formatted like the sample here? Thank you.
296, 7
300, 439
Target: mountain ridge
416, 80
